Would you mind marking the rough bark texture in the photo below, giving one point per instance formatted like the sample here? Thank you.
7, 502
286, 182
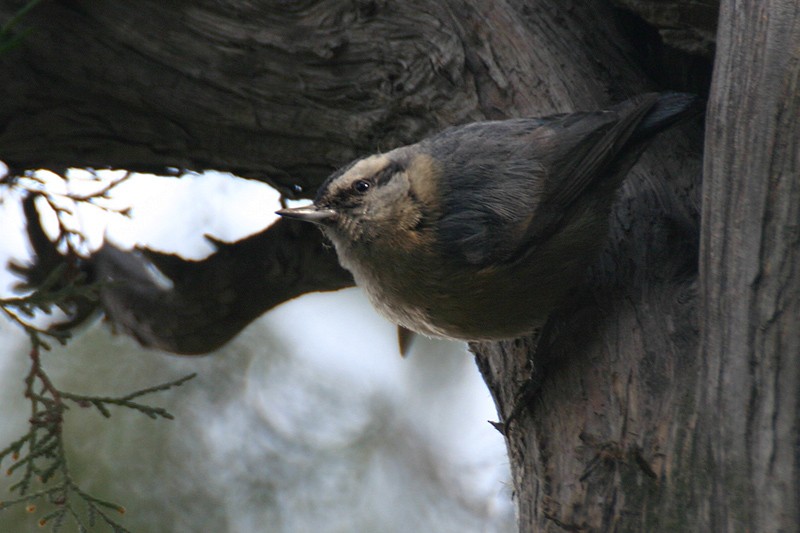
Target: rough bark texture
278, 91
622, 433
282, 92
749, 404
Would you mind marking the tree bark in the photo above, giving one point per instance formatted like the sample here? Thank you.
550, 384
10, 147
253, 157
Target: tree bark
623, 432
158, 86
748, 436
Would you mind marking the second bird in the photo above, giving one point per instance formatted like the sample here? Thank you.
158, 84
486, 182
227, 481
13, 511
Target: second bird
481, 231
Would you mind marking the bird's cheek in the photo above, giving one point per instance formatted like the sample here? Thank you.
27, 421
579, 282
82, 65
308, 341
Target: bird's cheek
347, 227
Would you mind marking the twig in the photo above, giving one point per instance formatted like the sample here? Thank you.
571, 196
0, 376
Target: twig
39, 455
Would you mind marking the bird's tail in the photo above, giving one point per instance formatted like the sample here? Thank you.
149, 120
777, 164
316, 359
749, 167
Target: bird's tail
669, 109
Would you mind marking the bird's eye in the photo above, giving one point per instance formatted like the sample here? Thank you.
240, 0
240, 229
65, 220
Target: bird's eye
361, 186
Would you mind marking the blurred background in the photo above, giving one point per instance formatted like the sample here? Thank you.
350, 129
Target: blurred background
307, 421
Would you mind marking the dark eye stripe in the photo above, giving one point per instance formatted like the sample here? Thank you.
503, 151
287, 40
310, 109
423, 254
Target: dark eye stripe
384, 176
351, 194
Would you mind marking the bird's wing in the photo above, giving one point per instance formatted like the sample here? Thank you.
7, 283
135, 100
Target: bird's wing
506, 184
581, 145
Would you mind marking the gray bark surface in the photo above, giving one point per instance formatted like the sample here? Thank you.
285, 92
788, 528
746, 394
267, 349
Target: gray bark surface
749, 402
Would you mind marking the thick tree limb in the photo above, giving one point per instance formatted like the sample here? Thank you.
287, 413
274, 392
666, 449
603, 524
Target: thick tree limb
273, 91
193, 307
212, 300
236, 86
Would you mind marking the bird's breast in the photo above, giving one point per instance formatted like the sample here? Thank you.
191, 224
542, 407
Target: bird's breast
414, 287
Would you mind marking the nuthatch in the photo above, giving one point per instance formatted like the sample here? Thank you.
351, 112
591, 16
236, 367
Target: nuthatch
480, 231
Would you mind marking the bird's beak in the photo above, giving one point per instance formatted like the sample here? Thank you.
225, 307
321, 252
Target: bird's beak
308, 213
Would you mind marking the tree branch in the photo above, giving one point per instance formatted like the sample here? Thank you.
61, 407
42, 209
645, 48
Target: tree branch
192, 307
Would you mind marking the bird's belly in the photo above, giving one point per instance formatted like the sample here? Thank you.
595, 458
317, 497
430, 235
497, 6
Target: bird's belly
472, 310
438, 299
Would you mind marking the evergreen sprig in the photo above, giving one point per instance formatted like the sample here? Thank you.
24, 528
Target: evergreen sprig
39, 455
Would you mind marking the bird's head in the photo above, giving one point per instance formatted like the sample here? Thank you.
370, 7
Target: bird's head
377, 198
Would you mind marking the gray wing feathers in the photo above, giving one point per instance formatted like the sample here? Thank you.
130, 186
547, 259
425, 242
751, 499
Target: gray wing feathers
580, 149
489, 188
507, 184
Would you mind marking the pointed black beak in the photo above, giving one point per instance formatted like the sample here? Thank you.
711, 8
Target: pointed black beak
308, 213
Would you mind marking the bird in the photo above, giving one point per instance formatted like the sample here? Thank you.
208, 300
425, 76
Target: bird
479, 232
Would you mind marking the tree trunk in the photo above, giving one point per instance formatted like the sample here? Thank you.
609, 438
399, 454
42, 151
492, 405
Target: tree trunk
748, 432
624, 431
